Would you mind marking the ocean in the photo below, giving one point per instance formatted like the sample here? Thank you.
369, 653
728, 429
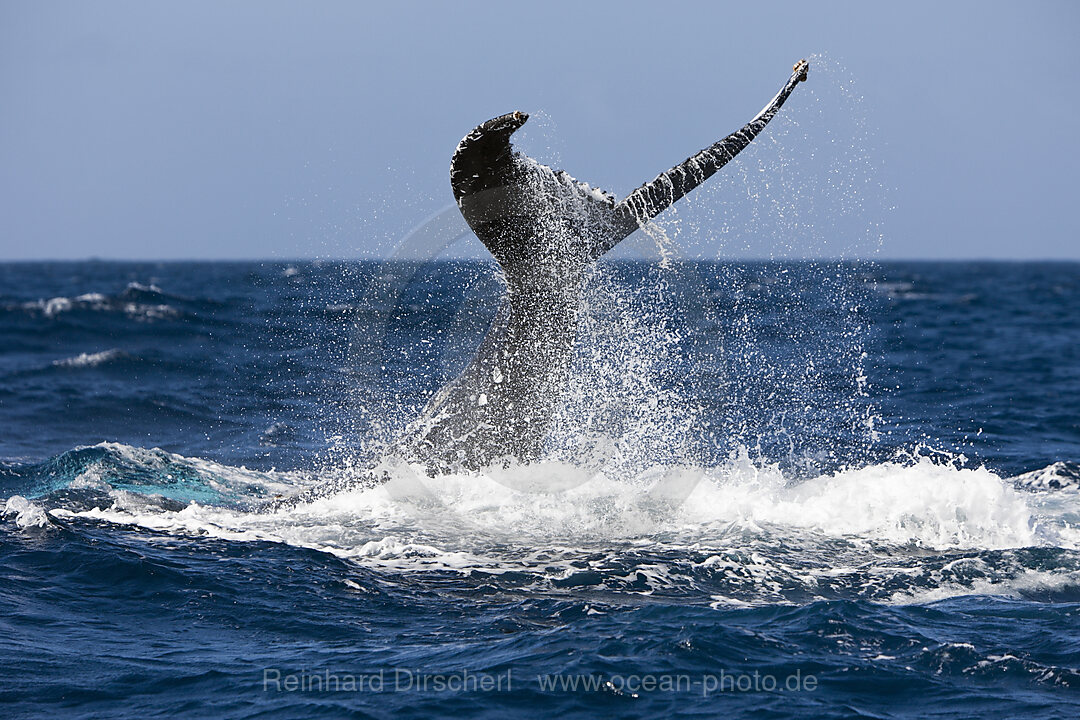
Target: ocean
772, 489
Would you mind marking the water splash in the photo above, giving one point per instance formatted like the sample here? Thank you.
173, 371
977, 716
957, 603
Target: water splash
898, 532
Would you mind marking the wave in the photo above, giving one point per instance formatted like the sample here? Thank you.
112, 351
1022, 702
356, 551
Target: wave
138, 301
1056, 476
91, 359
24, 513
97, 302
112, 468
740, 533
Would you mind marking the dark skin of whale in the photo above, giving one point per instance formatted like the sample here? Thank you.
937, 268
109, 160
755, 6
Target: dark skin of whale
545, 230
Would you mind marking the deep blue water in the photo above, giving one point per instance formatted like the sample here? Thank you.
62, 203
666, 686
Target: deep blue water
763, 473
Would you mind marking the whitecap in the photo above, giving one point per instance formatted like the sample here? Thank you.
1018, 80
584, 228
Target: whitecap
26, 513
90, 359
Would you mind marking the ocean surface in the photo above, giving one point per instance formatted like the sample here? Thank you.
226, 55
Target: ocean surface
772, 490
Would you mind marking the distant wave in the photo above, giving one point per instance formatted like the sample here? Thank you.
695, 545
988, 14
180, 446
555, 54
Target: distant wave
96, 302
139, 287
91, 359
139, 301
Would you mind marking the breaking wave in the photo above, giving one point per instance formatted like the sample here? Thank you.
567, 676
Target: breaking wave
739, 533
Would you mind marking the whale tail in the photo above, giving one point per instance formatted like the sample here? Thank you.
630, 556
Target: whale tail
544, 228
509, 199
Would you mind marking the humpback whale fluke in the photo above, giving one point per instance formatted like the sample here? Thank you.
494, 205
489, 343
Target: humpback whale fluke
544, 228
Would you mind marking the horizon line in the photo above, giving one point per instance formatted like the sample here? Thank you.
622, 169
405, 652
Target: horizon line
464, 258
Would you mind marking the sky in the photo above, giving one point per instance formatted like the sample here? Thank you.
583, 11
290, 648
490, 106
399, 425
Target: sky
281, 130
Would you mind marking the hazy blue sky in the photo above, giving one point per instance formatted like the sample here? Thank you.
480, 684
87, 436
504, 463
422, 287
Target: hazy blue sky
281, 130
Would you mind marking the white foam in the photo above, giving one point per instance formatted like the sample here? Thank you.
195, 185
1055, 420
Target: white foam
1055, 476
142, 311
52, 307
1015, 584
90, 359
101, 303
26, 513
924, 503
742, 526
151, 288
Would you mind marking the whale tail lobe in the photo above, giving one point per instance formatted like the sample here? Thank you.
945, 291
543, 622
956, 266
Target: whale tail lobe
668, 187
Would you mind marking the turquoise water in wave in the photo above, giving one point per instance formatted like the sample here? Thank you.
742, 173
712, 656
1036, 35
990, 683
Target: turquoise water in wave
772, 490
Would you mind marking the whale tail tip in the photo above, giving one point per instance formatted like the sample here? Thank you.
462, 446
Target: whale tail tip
802, 68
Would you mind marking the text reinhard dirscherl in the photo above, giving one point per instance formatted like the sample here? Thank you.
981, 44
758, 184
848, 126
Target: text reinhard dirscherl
415, 680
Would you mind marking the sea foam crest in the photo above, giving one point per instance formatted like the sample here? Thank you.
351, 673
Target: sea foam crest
921, 504
25, 513
90, 359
